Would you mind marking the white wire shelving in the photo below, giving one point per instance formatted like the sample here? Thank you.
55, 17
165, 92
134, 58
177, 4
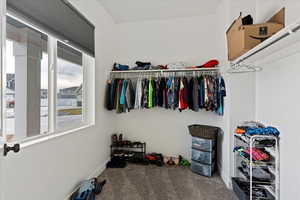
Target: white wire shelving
271, 166
280, 45
282, 39
162, 72
168, 70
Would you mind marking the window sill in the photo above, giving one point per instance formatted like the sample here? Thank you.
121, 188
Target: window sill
43, 138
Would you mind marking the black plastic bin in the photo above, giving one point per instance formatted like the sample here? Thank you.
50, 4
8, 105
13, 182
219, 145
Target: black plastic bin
241, 189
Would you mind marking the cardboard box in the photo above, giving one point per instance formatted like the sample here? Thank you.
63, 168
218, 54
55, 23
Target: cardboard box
241, 38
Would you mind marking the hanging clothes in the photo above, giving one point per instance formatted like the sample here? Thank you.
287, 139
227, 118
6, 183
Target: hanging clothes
160, 98
166, 103
145, 92
108, 100
129, 96
201, 81
176, 92
191, 88
138, 94
221, 95
118, 93
195, 94
150, 93
205, 92
183, 95
170, 93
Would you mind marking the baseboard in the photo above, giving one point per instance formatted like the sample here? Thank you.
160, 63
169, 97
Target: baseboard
99, 170
95, 173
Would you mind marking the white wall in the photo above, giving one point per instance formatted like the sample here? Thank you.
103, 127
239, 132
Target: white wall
238, 86
278, 105
192, 40
277, 100
51, 170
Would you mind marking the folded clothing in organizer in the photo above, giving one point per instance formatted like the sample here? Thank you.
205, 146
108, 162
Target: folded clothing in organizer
263, 131
256, 128
257, 154
258, 173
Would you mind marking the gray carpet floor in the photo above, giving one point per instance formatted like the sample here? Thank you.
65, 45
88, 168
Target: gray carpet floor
136, 182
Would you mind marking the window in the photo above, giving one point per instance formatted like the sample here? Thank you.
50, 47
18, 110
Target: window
69, 87
37, 101
26, 92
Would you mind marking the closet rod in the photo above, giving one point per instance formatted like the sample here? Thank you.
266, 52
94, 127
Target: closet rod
167, 70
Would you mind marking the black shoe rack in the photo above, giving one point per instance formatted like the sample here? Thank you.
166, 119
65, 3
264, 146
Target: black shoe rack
130, 152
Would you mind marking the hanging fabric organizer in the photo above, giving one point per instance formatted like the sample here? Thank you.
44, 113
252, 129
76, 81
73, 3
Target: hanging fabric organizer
178, 89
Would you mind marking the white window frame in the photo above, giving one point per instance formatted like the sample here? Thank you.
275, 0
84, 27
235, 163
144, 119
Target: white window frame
84, 86
88, 94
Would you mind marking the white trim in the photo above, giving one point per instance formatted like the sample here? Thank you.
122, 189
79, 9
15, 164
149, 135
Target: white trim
88, 114
52, 78
88, 93
3, 64
97, 172
43, 138
2, 102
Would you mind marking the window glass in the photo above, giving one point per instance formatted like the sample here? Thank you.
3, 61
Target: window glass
26, 93
69, 87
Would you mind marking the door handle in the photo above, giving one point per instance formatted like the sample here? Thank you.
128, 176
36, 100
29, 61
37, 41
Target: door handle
7, 149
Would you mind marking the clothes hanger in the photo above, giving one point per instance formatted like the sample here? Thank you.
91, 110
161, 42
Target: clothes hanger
243, 68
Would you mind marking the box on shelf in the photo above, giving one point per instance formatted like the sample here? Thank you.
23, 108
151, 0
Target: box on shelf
241, 38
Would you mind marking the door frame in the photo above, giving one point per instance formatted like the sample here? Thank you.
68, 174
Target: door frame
3, 64
2, 83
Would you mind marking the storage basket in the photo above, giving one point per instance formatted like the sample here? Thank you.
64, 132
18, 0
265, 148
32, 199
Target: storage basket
204, 131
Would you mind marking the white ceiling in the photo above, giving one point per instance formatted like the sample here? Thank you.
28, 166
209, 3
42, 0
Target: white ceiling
142, 10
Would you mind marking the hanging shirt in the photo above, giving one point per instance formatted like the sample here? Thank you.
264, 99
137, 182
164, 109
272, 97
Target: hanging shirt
160, 97
113, 92
145, 94
170, 92
182, 96
138, 94
108, 100
185, 92
118, 94
221, 95
195, 94
122, 98
155, 92
129, 96
206, 99
176, 92
166, 103
191, 99
201, 92
150, 94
